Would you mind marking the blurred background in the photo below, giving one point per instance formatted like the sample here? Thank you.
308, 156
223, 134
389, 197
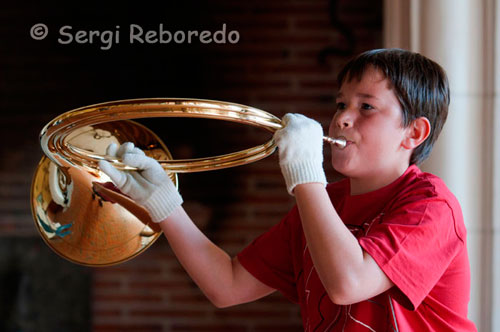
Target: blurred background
286, 60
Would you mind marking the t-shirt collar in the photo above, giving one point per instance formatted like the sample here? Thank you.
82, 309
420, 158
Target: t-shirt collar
386, 192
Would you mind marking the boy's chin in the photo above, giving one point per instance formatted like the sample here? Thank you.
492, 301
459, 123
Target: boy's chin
343, 168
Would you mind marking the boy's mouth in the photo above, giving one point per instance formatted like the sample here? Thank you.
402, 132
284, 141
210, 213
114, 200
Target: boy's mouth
347, 141
344, 139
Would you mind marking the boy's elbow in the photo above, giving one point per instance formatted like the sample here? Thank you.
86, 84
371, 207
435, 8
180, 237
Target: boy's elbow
344, 293
220, 302
340, 298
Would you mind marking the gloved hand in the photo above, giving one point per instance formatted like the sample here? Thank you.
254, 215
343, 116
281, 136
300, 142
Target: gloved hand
300, 147
151, 187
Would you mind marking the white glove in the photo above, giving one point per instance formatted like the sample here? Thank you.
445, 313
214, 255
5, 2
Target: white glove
151, 187
300, 147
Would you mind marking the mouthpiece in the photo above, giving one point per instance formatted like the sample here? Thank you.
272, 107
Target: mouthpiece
340, 142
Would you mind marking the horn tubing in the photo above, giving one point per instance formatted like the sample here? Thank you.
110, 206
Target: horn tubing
53, 135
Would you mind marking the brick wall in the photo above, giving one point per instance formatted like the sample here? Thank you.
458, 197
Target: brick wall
285, 61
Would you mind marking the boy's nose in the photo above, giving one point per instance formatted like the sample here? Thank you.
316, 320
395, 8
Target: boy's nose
344, 120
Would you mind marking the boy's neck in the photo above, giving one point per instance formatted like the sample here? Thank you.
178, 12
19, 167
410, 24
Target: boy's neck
363, 185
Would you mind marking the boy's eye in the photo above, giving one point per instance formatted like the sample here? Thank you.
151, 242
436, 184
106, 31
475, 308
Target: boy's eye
340, 106
366, 107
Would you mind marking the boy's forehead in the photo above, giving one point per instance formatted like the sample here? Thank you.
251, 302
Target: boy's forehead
360, 73
367, 73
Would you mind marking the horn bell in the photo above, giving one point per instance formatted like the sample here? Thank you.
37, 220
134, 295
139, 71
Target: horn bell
78, 211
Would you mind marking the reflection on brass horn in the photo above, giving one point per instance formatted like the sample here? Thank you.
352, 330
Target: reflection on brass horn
75, 209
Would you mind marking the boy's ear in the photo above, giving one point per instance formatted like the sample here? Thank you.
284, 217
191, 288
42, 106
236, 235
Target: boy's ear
417, 132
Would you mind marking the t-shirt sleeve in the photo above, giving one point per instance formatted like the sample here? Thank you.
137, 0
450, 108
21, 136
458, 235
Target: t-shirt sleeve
269, 258
414, 245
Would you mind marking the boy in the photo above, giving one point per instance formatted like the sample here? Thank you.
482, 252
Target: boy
382, 250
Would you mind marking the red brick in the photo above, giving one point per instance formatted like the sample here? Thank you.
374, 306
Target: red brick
129, 269
106, 313
123, 298
106, 284
188, 298
160, 284
237, 313
148, 313
209, 328
280, 327
127, 328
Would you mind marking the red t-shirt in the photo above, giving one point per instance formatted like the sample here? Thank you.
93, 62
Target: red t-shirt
414, 230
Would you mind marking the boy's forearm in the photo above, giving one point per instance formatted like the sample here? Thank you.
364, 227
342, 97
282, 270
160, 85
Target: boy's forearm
208, 265
333, 249
337, 255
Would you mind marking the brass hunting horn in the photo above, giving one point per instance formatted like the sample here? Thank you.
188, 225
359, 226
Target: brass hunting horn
68, 189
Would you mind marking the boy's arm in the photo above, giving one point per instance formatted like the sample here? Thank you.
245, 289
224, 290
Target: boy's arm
223, 280
347, 272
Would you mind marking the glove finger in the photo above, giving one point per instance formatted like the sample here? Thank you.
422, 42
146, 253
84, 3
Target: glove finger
115, 175
284, 133
136, 150
126, 147
286, 118
299, 123
290, 123
111, 150
151, 169
156, 174
139, 161
278, 136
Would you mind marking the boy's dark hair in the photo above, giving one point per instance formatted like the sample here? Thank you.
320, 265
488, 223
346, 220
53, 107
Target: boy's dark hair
419, 83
